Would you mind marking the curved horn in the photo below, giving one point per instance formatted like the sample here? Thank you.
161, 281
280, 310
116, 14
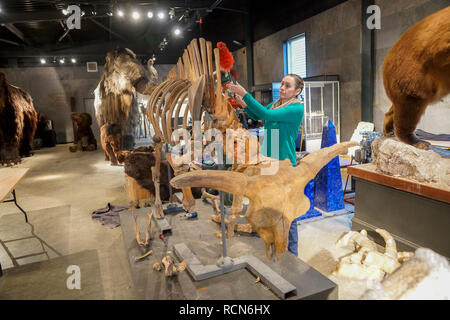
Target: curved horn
391, 247
320, 158
230, 182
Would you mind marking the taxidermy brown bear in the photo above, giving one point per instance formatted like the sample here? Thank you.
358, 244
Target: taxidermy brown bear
416, 73
18, 121
84, 137
111, 137
116, 94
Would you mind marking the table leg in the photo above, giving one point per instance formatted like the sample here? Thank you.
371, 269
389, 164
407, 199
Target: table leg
15, 202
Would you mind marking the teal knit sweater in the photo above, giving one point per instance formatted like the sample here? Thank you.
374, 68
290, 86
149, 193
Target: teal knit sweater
286, 120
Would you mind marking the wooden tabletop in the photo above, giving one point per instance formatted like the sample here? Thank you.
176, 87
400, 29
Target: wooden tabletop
368, 172
9, 178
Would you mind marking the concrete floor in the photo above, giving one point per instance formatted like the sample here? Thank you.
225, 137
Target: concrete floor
60, 191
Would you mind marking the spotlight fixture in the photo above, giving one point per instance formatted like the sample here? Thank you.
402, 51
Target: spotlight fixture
74, 60
65, 12
150, 14
120, 13
62, 61
110, 13
161, 15
136, 15
177, 31
171, 13
83, 13
43, 61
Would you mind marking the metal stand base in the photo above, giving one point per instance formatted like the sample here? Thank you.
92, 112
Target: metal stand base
280, 286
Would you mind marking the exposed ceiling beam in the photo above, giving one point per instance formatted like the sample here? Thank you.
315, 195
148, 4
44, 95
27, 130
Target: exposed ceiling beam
19, 34
10, 42
106, 28
66, 32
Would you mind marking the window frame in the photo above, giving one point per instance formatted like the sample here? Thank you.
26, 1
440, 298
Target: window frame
286, 53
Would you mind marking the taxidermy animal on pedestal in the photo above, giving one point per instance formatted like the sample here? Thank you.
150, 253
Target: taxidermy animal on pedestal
18, 122
115, 96
84, 137
416, 73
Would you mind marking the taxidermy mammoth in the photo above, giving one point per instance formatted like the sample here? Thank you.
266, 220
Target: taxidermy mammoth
115, 96
416, 73
18, 122
275, 200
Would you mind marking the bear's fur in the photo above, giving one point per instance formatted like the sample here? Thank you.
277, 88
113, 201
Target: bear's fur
84, 137
18, 121
416, 73
111, 137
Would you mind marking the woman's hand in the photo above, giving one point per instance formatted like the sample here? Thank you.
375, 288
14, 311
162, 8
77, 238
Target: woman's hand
236, 88
239, 100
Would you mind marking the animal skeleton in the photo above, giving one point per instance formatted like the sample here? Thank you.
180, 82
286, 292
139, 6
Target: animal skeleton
275, 200
191, 84
367, 262
170, 268
145, 243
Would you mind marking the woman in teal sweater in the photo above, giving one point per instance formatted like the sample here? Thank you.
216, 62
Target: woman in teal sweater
284, 115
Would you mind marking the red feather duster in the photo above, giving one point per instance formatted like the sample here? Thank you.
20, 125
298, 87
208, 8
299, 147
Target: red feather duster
226, 58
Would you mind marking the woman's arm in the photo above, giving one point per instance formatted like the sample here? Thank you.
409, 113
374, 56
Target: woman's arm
289, 113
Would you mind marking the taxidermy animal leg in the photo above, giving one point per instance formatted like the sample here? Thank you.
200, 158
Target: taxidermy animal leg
406, 119
388, 129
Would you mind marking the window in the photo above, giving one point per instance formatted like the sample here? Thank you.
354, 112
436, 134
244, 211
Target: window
295, 56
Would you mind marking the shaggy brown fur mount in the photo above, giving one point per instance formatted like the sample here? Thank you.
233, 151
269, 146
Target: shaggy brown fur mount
115, 95
416, 73
137, 165
84, 137
18, 121
111, 138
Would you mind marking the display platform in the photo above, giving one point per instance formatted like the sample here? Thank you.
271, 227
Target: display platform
416, 214
198, 236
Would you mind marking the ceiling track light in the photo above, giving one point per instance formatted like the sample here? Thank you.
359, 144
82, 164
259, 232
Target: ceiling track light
171, 13
136, 15
150, 14
74, 60
177, 31
43, 61
161, 15
120, 13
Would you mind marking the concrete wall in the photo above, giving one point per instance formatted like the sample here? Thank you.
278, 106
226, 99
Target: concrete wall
333, 44
396, 17
52, 87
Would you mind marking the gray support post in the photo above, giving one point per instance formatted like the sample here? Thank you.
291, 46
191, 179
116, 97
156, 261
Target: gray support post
367, 64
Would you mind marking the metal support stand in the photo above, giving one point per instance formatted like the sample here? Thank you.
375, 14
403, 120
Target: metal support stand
171, 207
280, 286
15, 202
